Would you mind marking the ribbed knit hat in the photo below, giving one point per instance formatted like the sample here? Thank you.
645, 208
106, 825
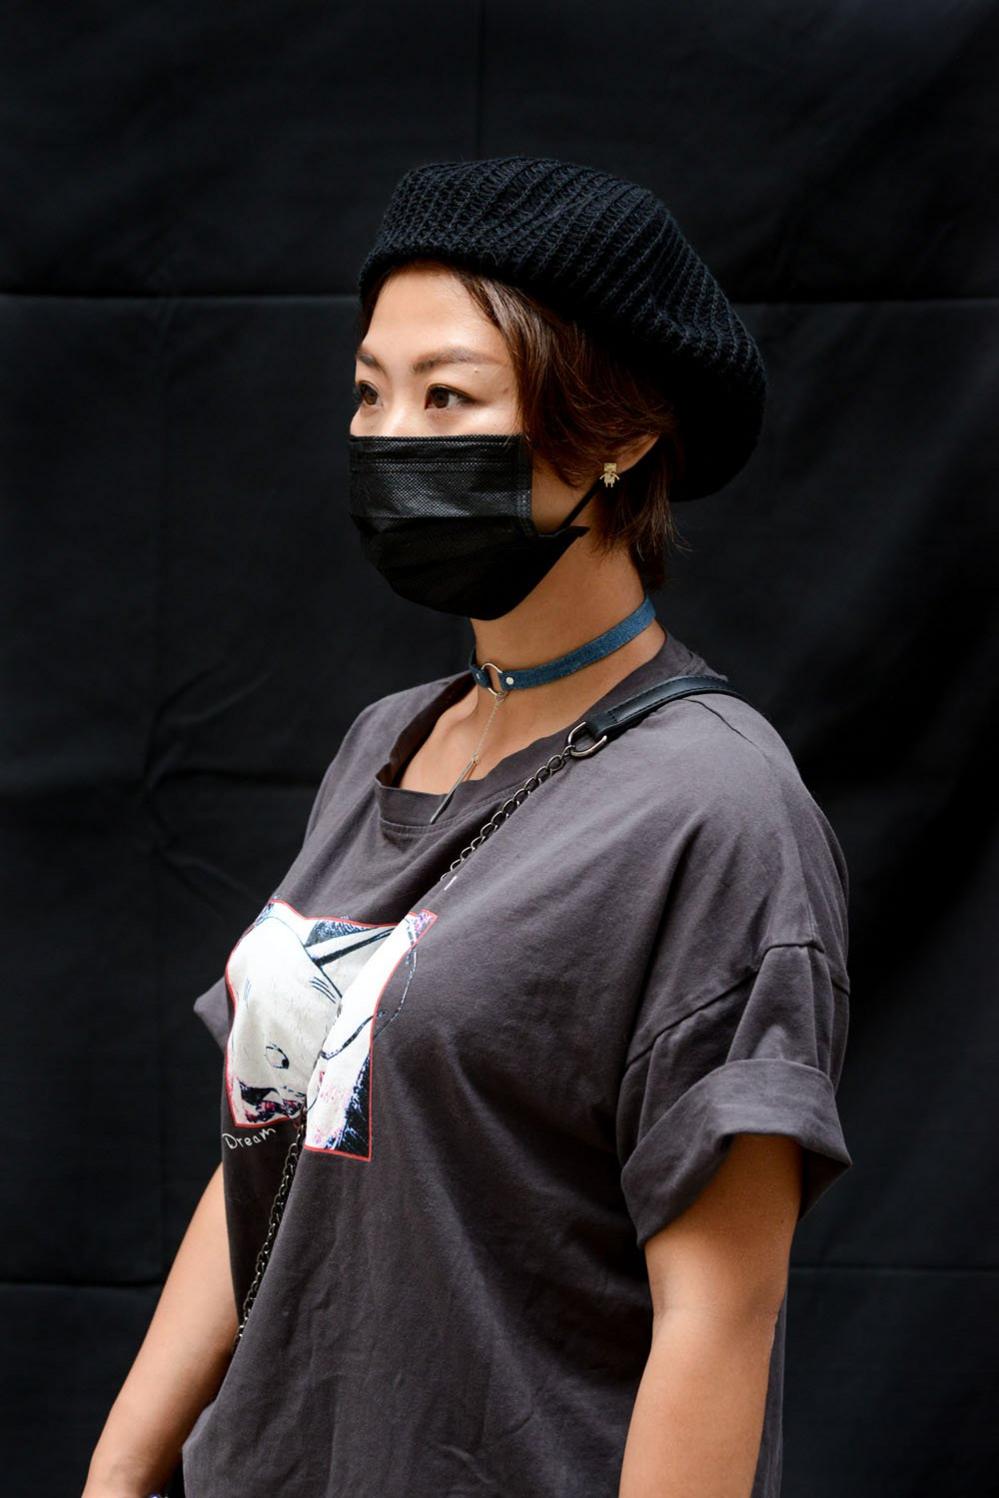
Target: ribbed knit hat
608, 254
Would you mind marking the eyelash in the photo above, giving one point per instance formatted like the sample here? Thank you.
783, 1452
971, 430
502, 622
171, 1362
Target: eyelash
459, 399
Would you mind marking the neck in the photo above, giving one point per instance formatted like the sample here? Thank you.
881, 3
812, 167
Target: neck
584, 595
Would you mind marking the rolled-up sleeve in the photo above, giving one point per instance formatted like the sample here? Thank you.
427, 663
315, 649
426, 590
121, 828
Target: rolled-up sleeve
763, 1057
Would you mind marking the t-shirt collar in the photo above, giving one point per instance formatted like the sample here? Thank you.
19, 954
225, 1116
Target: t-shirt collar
413, 809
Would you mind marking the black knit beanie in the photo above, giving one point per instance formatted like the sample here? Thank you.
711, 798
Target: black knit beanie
609, 255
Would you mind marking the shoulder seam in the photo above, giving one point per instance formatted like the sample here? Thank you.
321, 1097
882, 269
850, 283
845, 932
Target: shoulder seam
773, 780
731, 726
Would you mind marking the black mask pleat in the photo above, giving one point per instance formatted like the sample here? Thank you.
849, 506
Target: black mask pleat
447, 520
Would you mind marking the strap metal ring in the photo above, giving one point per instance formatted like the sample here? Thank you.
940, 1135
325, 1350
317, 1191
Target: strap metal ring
570, 742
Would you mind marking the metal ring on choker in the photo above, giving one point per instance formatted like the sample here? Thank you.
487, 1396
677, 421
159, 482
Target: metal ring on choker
564, 665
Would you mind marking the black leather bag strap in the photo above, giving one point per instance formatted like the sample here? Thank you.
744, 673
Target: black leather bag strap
614, 720
599, 729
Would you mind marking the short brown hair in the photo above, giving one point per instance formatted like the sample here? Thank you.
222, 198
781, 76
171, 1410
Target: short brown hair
580, 401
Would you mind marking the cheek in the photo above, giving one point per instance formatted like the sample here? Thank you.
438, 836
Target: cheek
550, 499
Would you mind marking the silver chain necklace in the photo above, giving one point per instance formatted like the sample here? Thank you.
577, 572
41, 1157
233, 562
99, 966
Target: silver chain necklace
499, 696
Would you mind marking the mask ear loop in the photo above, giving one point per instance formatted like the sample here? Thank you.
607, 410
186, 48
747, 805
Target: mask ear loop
609, 476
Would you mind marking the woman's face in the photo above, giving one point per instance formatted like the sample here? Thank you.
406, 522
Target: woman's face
432, 365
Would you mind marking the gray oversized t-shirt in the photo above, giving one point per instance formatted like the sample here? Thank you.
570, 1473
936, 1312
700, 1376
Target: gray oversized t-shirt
512, 1081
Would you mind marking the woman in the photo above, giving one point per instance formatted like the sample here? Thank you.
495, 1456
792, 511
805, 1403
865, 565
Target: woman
523, 1124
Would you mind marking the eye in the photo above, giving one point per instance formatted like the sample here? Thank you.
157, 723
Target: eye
366, 395
461, 400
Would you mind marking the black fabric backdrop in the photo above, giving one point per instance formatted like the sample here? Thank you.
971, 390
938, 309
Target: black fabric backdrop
188, 627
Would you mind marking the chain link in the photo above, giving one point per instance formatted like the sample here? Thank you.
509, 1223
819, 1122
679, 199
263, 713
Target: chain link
509, 806
277, 1210
501, 815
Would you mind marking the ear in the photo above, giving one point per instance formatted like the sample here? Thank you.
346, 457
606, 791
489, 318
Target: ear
628, 456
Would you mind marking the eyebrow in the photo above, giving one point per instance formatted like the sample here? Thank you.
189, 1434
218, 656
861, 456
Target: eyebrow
455, 353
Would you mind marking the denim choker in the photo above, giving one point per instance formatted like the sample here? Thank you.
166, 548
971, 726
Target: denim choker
584, 655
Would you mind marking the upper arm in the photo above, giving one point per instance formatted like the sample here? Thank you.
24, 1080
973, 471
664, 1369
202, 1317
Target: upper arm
728, 1252
741, 1022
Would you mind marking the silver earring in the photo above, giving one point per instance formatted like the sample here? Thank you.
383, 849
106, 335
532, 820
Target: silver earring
610, 474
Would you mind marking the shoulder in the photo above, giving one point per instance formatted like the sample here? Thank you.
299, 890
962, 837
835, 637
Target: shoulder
368, 741
390, 713
737, 818
721, 760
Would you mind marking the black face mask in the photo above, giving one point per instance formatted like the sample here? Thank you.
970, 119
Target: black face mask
447, 520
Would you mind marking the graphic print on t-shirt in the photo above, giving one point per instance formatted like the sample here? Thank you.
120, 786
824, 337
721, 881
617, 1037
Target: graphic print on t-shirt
305, 992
